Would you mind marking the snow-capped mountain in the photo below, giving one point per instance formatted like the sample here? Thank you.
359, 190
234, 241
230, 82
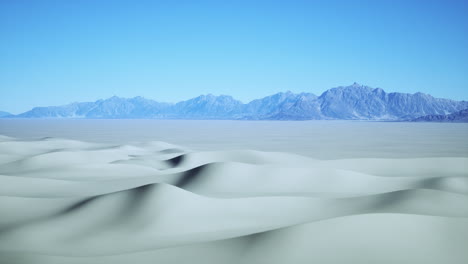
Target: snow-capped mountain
354, 102
362, 102
206, 107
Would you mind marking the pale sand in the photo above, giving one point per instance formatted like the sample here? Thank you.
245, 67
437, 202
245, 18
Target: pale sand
71, 201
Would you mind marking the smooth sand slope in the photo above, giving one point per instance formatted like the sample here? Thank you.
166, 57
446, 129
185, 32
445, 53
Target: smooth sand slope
68, 201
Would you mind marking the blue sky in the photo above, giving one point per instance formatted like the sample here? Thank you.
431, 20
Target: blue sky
56, 52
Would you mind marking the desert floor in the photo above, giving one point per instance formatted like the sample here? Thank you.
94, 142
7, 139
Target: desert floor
149, 191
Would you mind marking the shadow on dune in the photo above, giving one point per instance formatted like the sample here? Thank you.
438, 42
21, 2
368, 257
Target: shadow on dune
176, 161
448, 184
70, 209
191, 176
386, 201
130, 203
133, 202
79, 205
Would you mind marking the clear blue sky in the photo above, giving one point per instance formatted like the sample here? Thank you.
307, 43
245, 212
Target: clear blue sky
56, 52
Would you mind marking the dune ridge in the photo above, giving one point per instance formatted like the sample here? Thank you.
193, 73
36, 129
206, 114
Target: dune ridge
69, 201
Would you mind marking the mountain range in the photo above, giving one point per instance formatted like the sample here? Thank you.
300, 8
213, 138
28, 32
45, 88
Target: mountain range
460, 116
3, 113
354, 102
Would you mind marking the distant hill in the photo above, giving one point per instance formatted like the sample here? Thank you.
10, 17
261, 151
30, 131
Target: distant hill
354, 102
460, 116
3, 113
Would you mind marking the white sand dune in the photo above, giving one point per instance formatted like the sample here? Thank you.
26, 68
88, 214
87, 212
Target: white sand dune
68, 201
